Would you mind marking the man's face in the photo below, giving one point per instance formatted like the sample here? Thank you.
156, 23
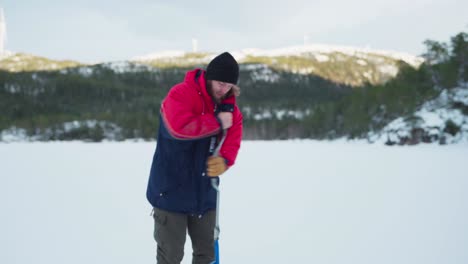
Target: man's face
218, 89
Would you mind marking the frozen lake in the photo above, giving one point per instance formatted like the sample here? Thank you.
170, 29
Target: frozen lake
283, 202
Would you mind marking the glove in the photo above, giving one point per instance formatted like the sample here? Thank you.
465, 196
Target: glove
215, 166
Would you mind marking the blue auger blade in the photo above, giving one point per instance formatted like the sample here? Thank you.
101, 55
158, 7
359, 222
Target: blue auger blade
216, 253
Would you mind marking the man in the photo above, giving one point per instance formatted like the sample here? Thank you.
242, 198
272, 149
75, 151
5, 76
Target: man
193, 116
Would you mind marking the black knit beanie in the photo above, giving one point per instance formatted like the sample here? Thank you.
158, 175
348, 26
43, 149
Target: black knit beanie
223, 68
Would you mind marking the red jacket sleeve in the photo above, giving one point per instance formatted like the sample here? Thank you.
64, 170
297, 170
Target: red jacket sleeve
180, 115
232, 142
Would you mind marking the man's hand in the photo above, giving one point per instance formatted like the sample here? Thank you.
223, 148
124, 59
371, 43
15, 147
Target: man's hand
226, 119
215, 166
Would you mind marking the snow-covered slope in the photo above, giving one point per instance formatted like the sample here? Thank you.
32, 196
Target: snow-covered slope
327, 61
160, 55
321, 51
16, 62
443, 120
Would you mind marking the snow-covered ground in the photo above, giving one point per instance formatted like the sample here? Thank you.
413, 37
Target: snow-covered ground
284, 202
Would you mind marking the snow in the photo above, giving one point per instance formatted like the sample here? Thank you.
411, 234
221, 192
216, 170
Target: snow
110, 131
126, 66
439, 110
86, 71
368, 75
303, 70
322, 49
12, 88
432, 116
277, 113
13, 134
322, 58
283, 202
391, 70
266, 114
319, 51
261, 72
159, 55
461, 94
362, 62
17, 59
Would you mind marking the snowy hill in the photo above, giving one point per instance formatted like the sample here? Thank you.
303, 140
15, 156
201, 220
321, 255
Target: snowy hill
317, 50
327, 61
16, 62
443, 120
321, 52
341, 64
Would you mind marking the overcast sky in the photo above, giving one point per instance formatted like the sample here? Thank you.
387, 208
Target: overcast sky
110, 30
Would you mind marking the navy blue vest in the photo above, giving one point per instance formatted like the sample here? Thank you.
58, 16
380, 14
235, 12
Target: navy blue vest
177, 181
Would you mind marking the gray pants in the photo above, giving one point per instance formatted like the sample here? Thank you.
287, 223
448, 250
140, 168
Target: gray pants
170, 231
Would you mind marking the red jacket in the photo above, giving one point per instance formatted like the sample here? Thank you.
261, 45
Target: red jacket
187, 131
188, 113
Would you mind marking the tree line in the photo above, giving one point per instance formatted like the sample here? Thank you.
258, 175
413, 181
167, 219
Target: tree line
291, 106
